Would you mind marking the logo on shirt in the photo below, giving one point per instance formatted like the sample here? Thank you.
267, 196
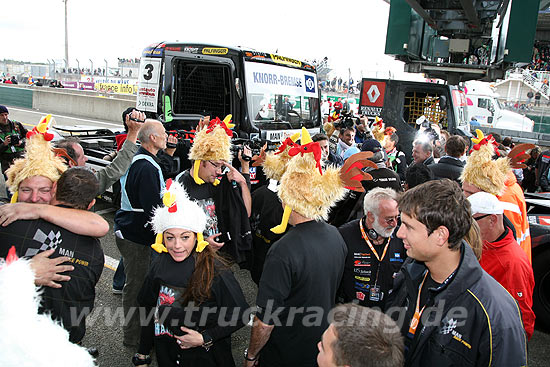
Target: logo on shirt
364, 279
448, 326
360, 296
362, 271
361, 263
48, 241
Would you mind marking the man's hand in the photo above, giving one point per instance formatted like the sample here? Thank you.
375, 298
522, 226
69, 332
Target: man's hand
9, 213
7, 141
134, 126
171, 139
212, 241
245, 164
47, 271
234, 175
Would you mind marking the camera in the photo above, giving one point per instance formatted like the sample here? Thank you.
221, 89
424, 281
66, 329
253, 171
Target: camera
14, 139
184, 137
347, 121
254, 144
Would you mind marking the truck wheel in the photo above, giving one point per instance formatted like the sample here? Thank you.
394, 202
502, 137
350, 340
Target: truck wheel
541, 293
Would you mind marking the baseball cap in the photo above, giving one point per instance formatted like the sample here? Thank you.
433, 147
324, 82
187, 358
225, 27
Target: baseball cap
485, 203
371, 145
3, 109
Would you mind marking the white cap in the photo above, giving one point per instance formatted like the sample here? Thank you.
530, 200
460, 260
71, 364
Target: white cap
485, 203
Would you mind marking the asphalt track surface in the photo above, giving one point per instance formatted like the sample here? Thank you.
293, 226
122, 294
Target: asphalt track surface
105, 331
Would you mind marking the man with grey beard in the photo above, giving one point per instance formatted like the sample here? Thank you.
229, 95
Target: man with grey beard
375, 254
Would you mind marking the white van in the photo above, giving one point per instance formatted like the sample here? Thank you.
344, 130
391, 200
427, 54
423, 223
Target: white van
485, 108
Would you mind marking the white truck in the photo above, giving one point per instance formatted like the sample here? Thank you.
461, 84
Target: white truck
484, 107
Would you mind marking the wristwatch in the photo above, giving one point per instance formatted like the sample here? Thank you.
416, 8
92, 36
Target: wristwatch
247, 357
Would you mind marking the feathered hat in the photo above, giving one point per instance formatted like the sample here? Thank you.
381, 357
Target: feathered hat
19, 306
489, 174
308, 189
378, 129
212, 142
274, 163
178, 211
39, 159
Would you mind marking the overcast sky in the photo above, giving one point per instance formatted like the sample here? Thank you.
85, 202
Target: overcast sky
350, 33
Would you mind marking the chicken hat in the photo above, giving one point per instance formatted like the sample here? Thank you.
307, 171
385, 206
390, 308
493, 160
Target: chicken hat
489, 174
39, 159
178, 211
274, 163
308, 189
212, 142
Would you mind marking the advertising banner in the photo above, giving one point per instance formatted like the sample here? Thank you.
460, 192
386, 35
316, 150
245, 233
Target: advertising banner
116, 88
272, 79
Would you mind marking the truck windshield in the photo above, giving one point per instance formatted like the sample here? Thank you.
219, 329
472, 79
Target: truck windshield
281, 97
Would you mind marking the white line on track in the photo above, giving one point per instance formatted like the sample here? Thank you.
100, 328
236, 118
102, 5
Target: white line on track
109, 124
111, 263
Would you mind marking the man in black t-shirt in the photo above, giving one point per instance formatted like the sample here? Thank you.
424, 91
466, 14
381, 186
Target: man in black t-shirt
297, 289
303, 269
225, 198
375, 254
74, 299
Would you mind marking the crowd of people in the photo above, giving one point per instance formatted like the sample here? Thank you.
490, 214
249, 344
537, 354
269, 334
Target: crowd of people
361, 258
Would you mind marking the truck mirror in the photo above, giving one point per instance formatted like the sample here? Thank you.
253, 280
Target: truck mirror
442, 103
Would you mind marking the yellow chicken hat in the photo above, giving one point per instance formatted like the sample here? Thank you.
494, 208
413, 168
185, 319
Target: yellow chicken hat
39, 159
308, 189
489, 174
211, 143
274, 163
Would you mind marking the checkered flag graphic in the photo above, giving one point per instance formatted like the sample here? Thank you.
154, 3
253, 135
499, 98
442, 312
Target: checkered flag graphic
48, 241
448, 327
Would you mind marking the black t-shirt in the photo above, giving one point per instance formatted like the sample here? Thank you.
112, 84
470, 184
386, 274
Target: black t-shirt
362, 267
31, 237
163, 288
302, 272
267, 212
204, 196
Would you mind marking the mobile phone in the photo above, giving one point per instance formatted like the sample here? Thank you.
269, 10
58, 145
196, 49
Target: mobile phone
224, 237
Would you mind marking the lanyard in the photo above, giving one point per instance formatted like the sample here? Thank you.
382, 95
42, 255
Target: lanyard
417, 313
364, 235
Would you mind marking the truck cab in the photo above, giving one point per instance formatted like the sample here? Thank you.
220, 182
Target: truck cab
484, 109
402, 103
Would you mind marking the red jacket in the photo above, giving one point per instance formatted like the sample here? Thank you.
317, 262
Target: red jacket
513, 193
505, 261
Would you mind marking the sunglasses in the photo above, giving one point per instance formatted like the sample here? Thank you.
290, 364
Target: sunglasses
483, 216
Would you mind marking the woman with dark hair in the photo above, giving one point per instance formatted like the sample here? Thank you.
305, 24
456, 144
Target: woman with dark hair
196, 301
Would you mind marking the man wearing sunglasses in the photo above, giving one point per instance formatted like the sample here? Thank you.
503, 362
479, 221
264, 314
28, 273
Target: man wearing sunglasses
375, 254
502, 257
